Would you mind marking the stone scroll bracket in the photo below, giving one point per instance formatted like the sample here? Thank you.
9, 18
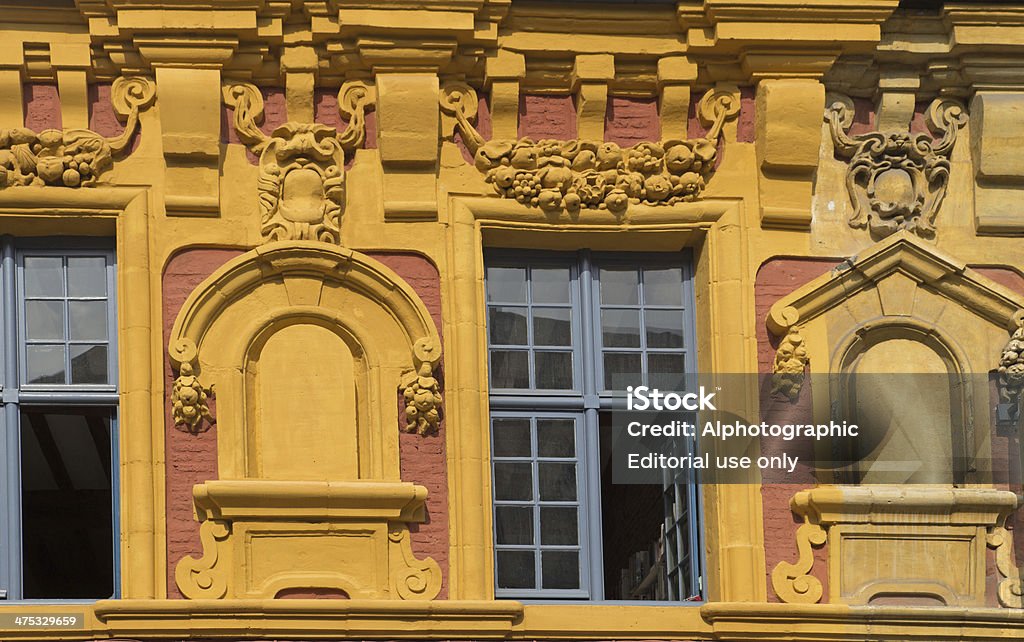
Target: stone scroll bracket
301, 179
73, 157
896, 179
572, 176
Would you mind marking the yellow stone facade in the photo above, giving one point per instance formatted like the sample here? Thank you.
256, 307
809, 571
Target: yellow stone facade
763, 157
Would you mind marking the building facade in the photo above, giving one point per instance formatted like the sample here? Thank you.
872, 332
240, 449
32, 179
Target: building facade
316, 313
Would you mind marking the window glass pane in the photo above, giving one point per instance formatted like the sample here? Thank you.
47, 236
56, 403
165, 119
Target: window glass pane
513, 481
619, 286
506, 284
554, 370
620, 328
556, 437
666, 370
557, 481
89, 364
559, 526
87, 320
664, 328
552, 327
44, 320
550, 285
513, 524
44, 276
621, 368
561, 569
663, 287
516, 569
44, 364
510, 369
87, 276
511, 438
66, 492
508, 326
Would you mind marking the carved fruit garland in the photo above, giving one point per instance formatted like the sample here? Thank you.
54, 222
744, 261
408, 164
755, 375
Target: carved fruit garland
72, 157
570, 175
1011, 366
302, 165
896, 179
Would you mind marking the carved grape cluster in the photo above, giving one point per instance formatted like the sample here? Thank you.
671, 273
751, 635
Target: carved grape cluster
52, 157
568, 175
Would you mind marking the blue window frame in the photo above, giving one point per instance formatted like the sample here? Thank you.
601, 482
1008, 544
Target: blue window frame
59, 397
563, 330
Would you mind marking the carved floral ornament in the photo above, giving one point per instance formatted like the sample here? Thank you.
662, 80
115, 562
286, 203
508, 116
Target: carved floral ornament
73, 157
1011, 366
570, 175
896, 179
302, 165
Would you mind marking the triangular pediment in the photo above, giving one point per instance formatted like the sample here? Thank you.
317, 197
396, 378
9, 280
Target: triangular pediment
900, 257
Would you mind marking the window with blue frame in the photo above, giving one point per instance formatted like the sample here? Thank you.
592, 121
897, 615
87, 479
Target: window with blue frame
563, 331
59, 390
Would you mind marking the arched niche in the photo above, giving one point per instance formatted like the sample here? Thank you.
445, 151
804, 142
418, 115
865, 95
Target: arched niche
905, 337
902, 382
904, 307
354, 328
305, 346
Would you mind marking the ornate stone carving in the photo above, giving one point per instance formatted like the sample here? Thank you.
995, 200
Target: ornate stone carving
570, 175
793, 583
203, 578
790, 362
73, 157
1011, 366
421, 391
1011, 589
414, 579
302, 165
190, 400
896, 179
189, 397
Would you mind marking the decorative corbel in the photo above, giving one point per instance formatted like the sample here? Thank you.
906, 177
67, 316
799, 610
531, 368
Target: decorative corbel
793, 582
189, 397
1011, 368
791, 360
1011, 589
560, 175
302, 165
204, 578
73, 157
421, 392
896, 179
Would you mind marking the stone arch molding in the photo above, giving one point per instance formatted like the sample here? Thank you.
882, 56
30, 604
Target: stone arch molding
306, 347
902, 290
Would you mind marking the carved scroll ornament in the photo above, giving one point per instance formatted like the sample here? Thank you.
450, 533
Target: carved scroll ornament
790, 362
302, 165
793, 582
73, 157
570, 175
896, 179
1011, 588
